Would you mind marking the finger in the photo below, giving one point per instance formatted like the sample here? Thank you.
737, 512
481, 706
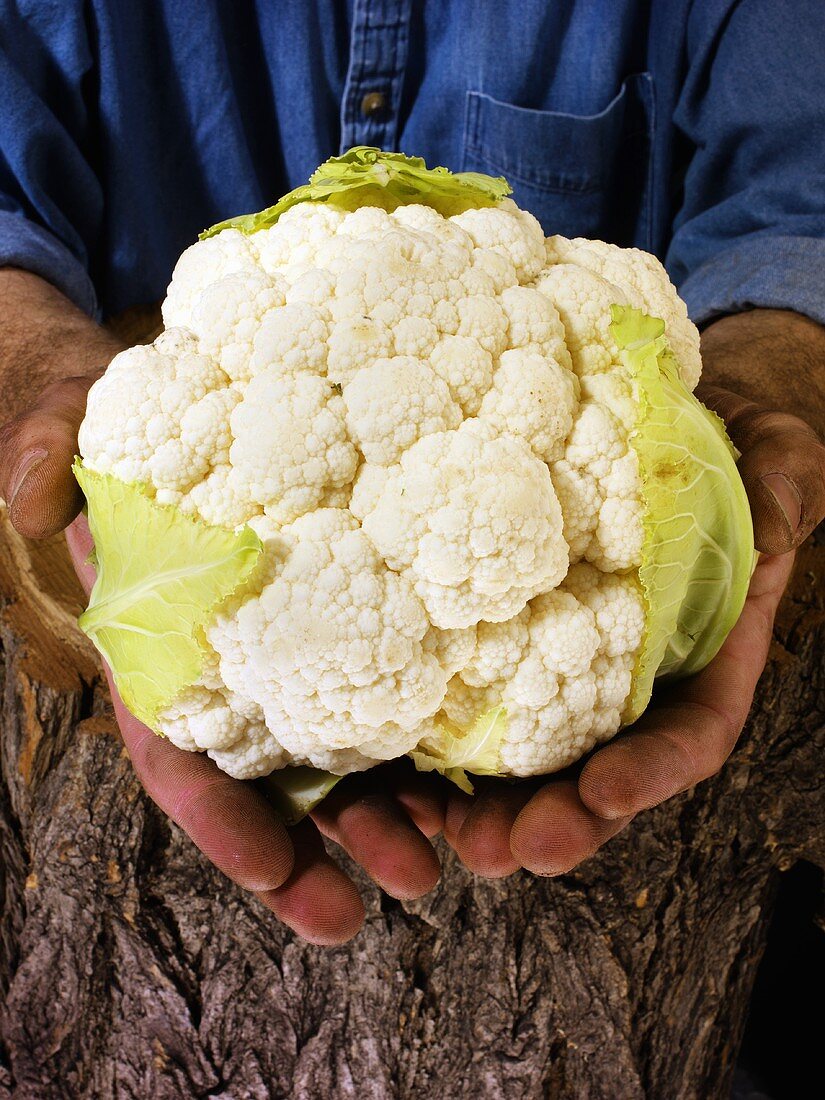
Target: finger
79, 542
688, 737
782, 467
317, 901
424, 798
482, 842
555, 831
377, 833
459, 805
229, 821
36, 454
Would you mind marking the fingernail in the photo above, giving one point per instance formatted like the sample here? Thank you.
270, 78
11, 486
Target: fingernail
27, 463
786, 495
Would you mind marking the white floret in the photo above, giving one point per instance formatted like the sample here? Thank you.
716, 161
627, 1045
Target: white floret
354, 343
374, 279
580, 499
445, 231
221, 499
289, 247
613, 682
553, 736
291, 443
583, 300
203, 263
416, 336
477, 283
534, 322
599, 486
616, 392
481, 318
258, 753
498, 652
466, 367
616, 602
314, 286
463, 704
507, 229
208, 716
204, 718
596, 440
202, 444
337, 498
290, 340
157, 415
534, 398
451, 648
367, 223
563, 634
497, 266
392, 404
227, 317
646, 286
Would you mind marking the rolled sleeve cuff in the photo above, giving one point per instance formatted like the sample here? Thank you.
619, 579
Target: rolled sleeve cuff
763, 272
26, 245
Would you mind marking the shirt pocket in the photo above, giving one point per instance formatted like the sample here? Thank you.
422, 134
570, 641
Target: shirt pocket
581, 175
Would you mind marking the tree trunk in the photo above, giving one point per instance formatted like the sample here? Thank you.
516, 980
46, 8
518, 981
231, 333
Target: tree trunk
131, 968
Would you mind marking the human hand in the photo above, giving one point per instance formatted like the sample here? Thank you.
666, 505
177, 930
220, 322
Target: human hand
690, 729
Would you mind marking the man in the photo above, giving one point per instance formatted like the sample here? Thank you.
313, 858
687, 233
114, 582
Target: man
693, 129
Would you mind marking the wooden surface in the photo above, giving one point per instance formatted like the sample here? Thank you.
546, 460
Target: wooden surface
130, 968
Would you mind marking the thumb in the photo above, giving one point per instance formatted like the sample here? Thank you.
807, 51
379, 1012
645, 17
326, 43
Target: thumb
36, 453
782, 466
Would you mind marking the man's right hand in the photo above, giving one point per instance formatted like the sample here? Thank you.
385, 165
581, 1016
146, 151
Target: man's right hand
50, 354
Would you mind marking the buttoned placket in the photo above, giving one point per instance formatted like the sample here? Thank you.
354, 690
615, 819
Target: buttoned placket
375, 78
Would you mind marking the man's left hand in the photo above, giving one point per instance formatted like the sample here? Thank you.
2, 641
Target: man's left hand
691, 728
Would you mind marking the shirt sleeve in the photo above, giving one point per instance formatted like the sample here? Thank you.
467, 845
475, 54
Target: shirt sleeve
50, 199
750, 231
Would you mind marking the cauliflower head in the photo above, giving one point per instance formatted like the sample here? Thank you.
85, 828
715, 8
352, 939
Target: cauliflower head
403, 476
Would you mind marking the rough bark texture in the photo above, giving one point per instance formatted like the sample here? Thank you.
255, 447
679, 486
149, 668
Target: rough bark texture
130, 968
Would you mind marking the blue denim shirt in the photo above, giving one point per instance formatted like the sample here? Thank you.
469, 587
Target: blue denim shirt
692, 128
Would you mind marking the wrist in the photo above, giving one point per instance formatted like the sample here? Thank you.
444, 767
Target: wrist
45, 339
775, 358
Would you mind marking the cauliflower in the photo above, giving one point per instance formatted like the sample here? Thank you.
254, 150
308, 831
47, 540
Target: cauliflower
402, 476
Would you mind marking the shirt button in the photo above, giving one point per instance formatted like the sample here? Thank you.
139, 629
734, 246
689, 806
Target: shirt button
373, 104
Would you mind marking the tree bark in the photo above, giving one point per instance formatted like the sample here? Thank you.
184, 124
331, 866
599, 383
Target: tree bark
129, 967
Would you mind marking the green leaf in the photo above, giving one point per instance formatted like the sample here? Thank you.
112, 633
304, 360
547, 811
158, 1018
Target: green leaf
455, 752
160, 576
698, 552
296, 791
365, 176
